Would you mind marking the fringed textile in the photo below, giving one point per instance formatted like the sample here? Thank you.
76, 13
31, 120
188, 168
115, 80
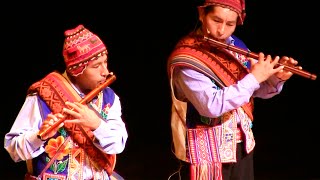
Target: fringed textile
204, 157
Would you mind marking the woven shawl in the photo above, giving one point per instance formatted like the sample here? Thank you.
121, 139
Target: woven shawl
55, 90
193, 52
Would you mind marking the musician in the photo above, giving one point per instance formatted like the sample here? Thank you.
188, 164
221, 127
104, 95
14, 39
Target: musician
90, 136
212, 92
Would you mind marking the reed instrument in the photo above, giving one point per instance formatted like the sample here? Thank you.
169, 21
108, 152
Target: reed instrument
247, 53
87, 99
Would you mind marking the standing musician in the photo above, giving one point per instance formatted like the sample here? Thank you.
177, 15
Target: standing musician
85, 144
212, 96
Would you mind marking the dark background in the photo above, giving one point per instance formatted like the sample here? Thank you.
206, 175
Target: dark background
139, 36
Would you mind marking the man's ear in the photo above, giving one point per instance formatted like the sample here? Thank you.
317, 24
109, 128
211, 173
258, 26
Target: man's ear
201, 14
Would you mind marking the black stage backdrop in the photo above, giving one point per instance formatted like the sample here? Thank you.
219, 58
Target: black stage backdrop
140, 36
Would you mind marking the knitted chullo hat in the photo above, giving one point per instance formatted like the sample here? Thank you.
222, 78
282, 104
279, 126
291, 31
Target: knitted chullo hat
80, 47
236, 5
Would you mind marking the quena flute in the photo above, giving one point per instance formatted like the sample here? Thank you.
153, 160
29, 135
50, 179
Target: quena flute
255, 56
111, 78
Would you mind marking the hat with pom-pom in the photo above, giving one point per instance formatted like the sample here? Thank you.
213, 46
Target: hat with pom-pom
80, 47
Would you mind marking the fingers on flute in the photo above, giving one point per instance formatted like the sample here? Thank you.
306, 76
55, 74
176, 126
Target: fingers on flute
71, 105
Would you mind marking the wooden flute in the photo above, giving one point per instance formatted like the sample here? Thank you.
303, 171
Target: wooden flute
111, 78
256, 56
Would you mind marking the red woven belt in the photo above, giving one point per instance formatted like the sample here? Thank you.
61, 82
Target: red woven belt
238, 133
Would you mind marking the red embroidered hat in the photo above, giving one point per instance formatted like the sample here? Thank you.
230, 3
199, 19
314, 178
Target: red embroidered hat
80, 47
236, 5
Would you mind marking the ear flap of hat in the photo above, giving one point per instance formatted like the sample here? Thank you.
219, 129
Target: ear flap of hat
243, 12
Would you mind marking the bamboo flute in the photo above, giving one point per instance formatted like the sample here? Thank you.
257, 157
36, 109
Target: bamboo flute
256, 56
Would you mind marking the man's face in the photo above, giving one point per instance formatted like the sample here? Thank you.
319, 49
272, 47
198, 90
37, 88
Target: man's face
219, 23
94, 74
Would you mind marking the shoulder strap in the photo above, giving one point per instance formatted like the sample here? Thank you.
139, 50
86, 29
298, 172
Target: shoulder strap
61, 147
29, 161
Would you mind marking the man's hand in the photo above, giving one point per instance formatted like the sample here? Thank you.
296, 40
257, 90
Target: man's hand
287, 61
264, 67
48, 122
82, 115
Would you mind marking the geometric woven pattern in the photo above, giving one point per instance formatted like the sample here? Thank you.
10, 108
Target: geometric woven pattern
204, 156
